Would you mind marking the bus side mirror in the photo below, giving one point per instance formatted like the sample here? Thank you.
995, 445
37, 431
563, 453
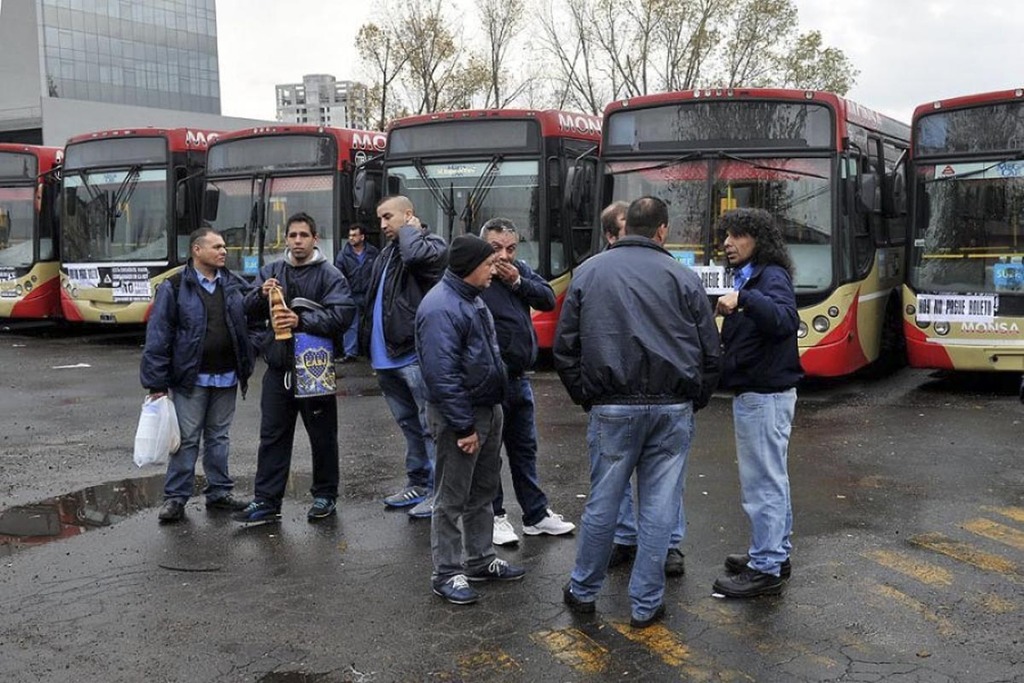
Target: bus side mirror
570, 189
70, 201
364, 190
894, 198
211, 200
180, 199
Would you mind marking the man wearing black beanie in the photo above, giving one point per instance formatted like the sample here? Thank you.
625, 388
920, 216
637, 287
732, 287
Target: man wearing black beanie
465, 381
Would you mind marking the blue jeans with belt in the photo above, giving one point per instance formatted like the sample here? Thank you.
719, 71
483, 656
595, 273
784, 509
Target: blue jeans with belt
654, 442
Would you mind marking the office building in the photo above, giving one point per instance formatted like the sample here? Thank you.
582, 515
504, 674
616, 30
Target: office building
322, 100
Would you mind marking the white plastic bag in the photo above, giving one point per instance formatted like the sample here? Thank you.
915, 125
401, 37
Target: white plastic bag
157, 435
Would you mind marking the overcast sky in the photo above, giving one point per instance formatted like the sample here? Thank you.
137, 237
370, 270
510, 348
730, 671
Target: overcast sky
908, 51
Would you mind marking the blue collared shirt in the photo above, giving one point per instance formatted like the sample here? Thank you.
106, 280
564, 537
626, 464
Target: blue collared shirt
220, 379
741, 276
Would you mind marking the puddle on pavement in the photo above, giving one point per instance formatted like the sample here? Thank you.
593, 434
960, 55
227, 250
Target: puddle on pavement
97, 507
291, 677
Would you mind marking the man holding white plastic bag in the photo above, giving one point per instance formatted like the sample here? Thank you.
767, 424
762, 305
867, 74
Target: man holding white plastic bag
198, 349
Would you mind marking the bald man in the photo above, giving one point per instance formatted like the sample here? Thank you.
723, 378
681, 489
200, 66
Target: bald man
410, 264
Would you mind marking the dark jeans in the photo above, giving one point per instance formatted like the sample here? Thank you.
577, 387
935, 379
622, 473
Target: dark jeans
519, 435
278, 410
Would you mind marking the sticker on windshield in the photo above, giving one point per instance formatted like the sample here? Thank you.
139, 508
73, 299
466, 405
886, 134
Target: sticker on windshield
956, 308
1008, 277
251, 265
715, 279
685, 257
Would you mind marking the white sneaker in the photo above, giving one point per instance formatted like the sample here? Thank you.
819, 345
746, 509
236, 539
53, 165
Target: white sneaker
504, 534
553, 525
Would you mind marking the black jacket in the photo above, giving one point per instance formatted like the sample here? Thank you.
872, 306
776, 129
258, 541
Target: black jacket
317, 280
759, 339
511, 310
415, 261
357, 274
636, 327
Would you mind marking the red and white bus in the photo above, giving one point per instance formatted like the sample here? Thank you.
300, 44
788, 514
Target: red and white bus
130, 199
463, 168
823, 166
258, 177
964, 296
29, 186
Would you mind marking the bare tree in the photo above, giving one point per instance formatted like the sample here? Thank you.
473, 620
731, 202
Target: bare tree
502, 21
569, 40
378, 47
752, 52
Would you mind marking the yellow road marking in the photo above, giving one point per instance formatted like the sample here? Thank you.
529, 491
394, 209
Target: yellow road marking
964, 553
473, 664
915, 569
997, 532
574, 648
998, 605
673, 652
1014, 513
943, 625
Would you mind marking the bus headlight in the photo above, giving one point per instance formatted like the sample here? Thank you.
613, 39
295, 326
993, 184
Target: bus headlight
801, 330
19, 290
28, 286
911, 310
942, 328
833, 311
923, 325
820, 324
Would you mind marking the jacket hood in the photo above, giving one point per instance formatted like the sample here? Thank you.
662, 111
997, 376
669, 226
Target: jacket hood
317, 257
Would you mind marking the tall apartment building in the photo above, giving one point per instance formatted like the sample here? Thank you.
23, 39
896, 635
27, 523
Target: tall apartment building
323, 100
75, 66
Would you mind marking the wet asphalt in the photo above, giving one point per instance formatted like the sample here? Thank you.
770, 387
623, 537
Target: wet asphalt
908, 564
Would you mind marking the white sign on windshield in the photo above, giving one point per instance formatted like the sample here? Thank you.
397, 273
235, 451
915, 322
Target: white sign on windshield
982, 170
715, 279
956, 308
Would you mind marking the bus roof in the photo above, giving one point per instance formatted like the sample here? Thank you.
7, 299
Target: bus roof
553, 122
347, 138
847, 109
965, 101
179, 139
48, 156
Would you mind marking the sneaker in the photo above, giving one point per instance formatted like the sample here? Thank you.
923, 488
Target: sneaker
424, 509
621, 554
410, 495
504, 534
497, 570
172, 511
227, 502
657, 615
748, 583
552, 524
734, 564
674, 565
322, 507
575, 604
257, 512
456, 590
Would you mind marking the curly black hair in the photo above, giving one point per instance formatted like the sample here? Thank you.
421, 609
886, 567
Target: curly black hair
769, 244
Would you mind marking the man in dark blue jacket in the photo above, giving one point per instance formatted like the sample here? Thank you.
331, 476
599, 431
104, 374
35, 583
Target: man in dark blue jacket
510, 298
198, 348
637, 347
355, 261
761, 365
465, 383
326, 310
411, 263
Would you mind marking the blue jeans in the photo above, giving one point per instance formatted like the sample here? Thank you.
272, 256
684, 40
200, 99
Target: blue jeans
519, 435
653, 441
204, 413
763, 423
625, 526
350, 340
406, 395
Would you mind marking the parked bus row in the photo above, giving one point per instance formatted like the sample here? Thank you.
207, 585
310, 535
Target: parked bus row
906, 239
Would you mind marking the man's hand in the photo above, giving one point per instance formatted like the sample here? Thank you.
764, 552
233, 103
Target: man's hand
152, 396
506, 272
414, 222
286, 318
469, 444
727, 303
269, 284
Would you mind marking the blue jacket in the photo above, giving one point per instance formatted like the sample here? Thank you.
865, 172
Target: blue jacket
415, 260
458, 351
316, 280
176, 331
511, 310
759, 339
636, 328
358, 274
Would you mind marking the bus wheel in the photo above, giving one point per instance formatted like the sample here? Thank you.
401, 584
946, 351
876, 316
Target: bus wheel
892, 350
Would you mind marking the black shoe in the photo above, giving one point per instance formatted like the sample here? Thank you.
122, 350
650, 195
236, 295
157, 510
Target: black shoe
674, 565
575, 604
657, 615
228, 502
172, 511
621, 554
737, 563
748, 583
321, 508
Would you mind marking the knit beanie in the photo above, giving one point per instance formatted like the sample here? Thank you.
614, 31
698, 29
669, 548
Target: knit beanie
466, 253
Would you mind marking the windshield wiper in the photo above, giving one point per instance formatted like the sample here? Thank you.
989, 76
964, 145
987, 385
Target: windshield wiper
664, 164
765, 167
977, 171
447, 204
479, 192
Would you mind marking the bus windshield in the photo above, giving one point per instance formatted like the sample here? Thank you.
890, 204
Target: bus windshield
17, 226
510, 189
795, 191
969, 228
115, 215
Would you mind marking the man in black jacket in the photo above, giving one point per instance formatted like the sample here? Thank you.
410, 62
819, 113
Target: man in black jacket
355, 261
303, 273
638, 347
409, 265
516, 290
